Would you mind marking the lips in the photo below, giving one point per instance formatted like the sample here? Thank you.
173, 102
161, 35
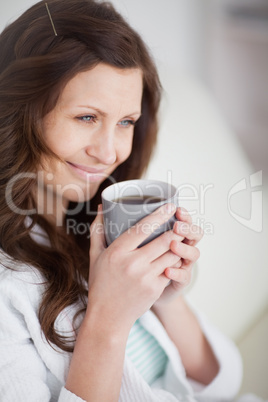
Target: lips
88, 173
86, 168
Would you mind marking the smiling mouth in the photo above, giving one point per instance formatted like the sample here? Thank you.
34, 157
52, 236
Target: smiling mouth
86, 168
88, 173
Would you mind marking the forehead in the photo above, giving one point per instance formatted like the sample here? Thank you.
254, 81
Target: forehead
104, 86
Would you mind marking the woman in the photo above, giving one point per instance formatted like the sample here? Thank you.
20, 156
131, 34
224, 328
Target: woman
79, 96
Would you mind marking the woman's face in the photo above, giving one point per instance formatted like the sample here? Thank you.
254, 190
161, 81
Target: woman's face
91, 130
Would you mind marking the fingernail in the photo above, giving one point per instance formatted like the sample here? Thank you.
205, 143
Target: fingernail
183, 211
169, 208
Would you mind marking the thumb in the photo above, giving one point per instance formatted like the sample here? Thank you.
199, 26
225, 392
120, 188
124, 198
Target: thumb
97, 238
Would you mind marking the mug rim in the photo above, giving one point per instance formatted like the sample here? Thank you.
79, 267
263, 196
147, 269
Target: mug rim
144, 181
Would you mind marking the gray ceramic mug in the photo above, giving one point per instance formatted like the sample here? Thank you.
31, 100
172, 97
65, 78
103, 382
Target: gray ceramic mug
127, 202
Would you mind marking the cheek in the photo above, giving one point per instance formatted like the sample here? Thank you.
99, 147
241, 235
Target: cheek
63, 148
58, 137
124, 149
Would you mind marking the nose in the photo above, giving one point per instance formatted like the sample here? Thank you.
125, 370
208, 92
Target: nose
102, 146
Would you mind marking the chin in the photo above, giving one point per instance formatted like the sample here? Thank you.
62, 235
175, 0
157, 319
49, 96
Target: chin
79, 195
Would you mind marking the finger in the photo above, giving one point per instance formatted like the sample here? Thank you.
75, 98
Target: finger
183, 264
191, 232
161, 244
164, 280
178, 275
185, 251
179, 264
97, 237
168, 259
183, 215
135, 235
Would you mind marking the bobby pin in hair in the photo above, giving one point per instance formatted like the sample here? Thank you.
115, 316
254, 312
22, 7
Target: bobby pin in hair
51, 20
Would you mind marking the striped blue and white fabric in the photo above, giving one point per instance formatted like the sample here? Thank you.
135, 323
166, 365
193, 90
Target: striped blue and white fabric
146, 354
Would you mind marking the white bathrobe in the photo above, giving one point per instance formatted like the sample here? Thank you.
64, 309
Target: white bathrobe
32, 371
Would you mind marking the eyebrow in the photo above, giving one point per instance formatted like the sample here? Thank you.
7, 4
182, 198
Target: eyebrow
104, 114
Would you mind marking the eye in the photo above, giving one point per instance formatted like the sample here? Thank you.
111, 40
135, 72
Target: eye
127, 123
87, 118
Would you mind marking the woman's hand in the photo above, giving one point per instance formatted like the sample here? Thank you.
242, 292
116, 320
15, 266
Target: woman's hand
180, 274
124, 280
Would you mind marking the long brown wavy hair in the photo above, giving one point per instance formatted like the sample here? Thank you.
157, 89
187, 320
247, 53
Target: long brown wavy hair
35, 65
